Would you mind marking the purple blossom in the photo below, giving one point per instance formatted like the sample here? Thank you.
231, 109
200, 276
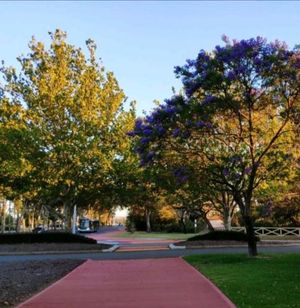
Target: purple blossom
170, 110
147, 132
145, 140
142, 163
209, 125
225, 39
150, 155
248, 170
225, 172
160, 130
200, 124
188, 123
230, 76
208, 99
181, 174
131, 134
257, 61
138, 124
182, 179
297, 64
176, 132
150, 119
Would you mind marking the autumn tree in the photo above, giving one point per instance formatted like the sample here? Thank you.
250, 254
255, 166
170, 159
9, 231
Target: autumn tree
77, 112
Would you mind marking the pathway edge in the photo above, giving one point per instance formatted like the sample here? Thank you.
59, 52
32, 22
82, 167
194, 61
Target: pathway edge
225, 298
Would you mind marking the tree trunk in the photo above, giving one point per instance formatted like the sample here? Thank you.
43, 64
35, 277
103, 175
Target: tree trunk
18, 223
182, 220
67, 216
3, 216
252, 247
209, 225
207, 221
227, 220
148, 223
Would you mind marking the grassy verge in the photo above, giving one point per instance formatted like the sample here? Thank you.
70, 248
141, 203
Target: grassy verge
155, 235
264, 281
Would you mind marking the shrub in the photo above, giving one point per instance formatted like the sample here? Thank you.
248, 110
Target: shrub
53, 237
221, 236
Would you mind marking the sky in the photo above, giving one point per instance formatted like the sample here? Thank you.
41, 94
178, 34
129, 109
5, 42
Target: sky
142, 41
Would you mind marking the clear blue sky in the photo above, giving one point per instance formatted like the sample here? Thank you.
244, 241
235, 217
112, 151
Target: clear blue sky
141, 42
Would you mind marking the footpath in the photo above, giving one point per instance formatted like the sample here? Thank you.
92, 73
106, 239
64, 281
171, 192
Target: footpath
150, 283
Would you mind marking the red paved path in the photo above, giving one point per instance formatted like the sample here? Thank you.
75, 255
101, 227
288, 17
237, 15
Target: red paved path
152, 283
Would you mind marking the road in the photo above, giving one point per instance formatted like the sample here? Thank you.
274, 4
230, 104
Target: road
148, 254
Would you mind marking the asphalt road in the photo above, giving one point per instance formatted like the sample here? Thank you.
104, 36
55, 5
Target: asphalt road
148, 254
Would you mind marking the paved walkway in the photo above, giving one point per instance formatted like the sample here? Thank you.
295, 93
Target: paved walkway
150, 283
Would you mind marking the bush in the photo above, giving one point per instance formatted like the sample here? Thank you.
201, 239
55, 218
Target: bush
221, 236
53, 237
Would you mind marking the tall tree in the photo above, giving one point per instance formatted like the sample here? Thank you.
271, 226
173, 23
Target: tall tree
77, 111
235, 117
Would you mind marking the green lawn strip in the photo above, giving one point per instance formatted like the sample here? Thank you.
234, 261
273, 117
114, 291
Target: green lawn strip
265, 281
155, 235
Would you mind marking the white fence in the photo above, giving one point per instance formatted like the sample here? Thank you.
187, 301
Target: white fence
276, 231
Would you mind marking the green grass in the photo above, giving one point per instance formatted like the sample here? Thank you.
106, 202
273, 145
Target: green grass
265, 281
155, 235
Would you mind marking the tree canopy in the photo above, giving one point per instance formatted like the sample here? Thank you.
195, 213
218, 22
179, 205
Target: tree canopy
73, 112
235, 119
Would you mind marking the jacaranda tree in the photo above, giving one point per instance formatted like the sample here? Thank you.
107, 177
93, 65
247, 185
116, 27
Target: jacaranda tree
234, 120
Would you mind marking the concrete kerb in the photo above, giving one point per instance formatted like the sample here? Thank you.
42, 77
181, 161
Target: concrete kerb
174, 247
111, 249
114, 247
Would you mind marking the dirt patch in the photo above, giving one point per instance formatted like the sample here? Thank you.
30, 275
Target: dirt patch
18, 248
20, 280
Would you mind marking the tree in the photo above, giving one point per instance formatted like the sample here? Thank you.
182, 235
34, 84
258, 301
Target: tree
76, 111
234, 119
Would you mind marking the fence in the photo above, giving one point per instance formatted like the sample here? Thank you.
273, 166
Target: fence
277, 231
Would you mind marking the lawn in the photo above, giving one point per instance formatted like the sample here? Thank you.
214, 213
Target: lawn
265, 281
155, 235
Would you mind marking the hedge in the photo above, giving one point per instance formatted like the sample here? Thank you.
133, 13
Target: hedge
221, 236
51, 237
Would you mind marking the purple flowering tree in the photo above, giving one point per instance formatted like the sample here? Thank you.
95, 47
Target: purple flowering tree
234, 121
